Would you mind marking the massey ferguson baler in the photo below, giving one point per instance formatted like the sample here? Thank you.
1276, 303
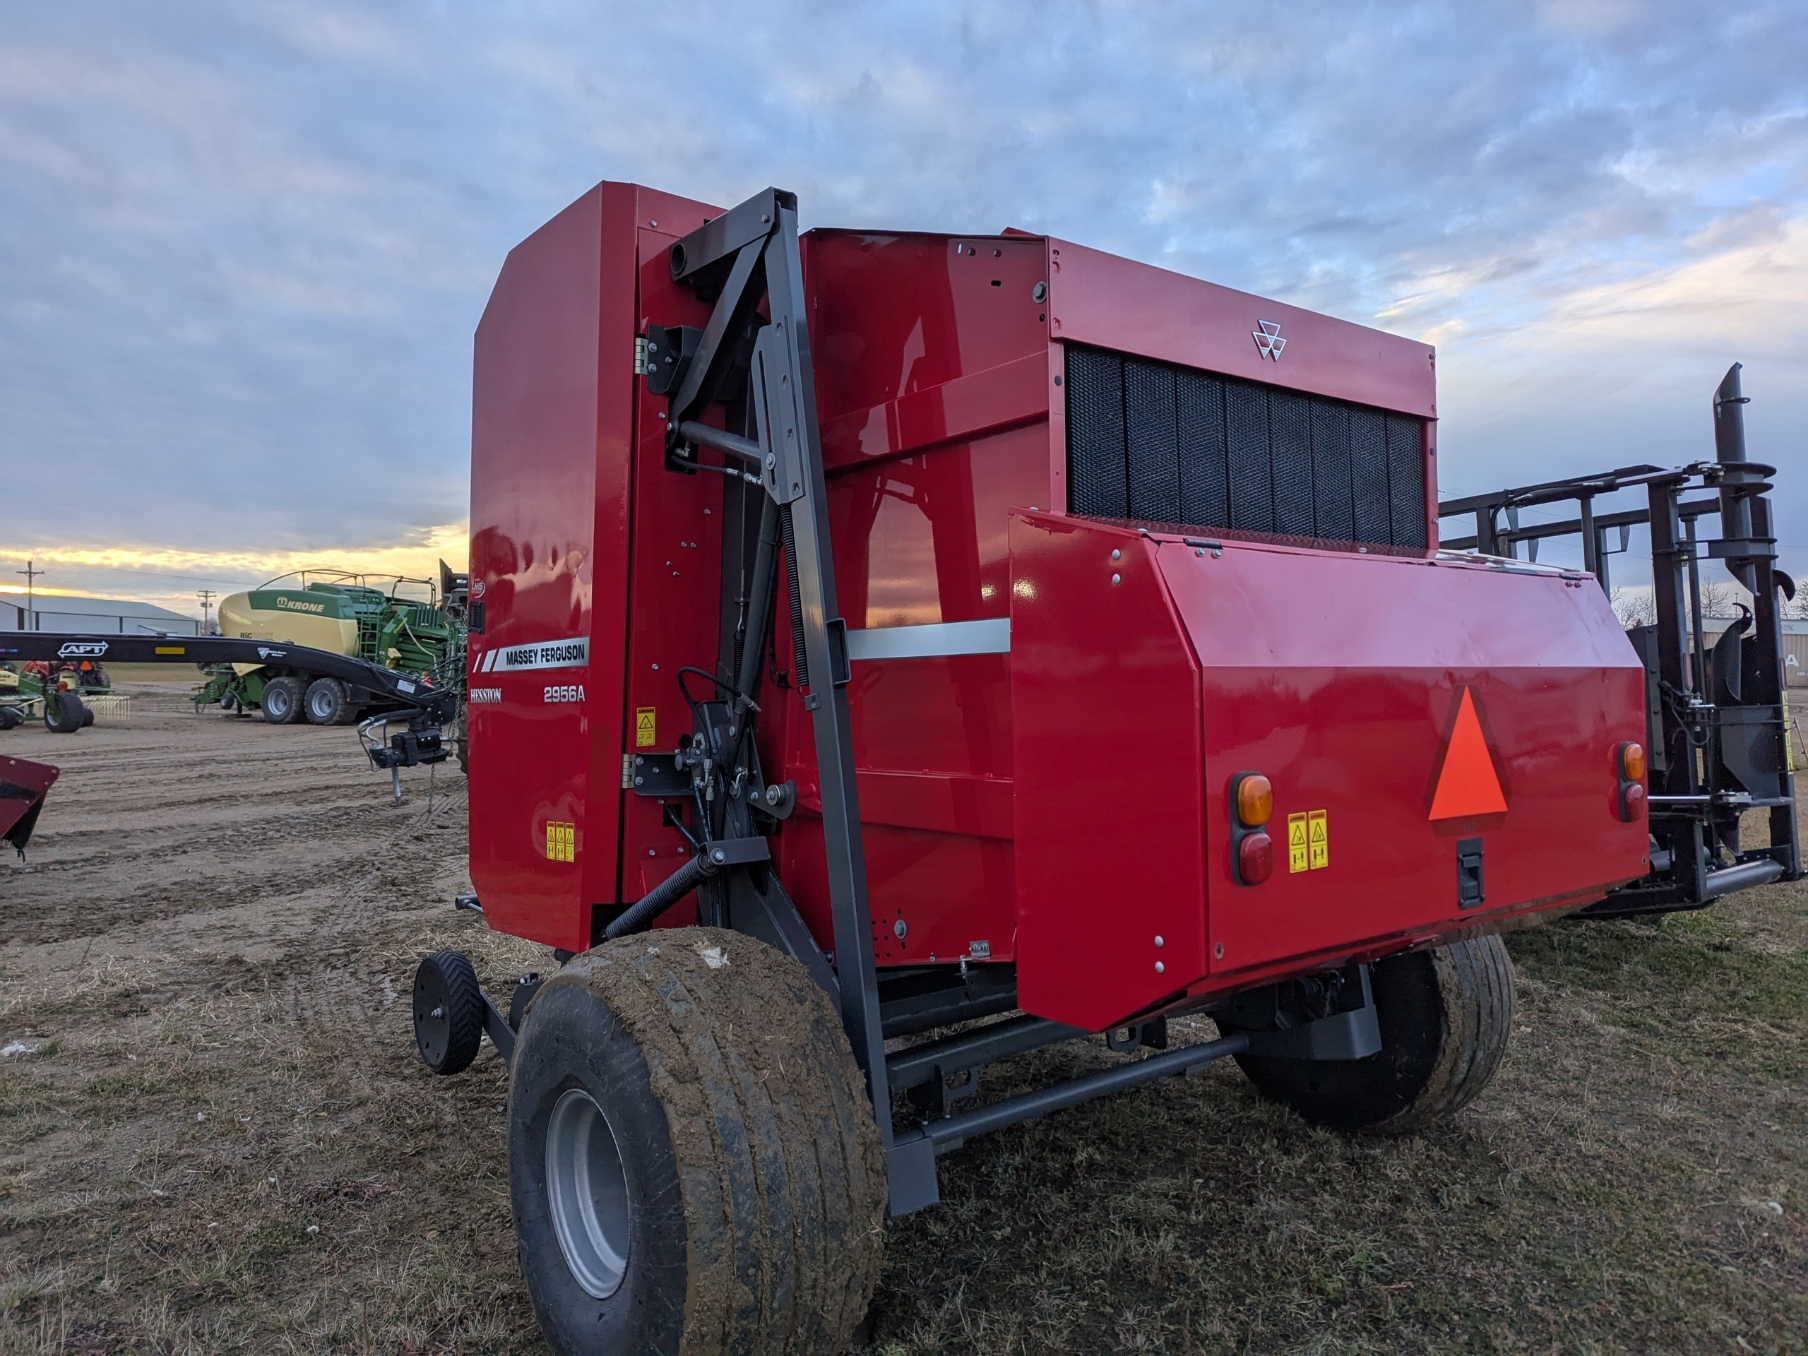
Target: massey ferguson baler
893, 652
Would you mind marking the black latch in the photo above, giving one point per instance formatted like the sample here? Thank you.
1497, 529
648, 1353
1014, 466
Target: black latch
658, 774
669, 353
474, 618
1469, 892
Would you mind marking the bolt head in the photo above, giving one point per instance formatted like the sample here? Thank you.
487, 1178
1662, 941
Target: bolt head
1160, 969
900, 929
1116, 554
718, 856
1117, 579
1039, 292
1159, 942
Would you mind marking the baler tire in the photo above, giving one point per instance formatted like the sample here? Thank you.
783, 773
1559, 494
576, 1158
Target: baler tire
1445, 1016
63, 712
286, 709
751, 1176
325, 702
448, 1012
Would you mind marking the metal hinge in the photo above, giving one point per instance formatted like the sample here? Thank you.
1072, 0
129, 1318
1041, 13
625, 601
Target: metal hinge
627, 772
640, 358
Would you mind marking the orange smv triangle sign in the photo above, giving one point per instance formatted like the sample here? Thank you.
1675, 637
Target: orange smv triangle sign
1468, 785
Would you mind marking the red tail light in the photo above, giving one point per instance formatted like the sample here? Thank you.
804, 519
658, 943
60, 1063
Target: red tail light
1255, 858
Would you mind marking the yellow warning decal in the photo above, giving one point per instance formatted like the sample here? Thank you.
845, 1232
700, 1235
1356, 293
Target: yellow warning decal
561, 841
1297, 853
1317, 839
170, 649
645, 736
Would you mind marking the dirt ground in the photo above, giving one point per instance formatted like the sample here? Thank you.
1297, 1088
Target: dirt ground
217, 1137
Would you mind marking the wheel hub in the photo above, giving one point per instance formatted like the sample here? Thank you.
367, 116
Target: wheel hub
587, 1193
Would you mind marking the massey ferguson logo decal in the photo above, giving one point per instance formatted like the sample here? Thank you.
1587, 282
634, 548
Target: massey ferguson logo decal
539, 654
1269, 343
83, 649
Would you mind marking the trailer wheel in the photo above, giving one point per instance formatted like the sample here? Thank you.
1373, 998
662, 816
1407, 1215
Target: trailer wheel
325, 702
87, 715
448, 1012
1444, 1014
9, 717
281, 700
693, 1160
63, 712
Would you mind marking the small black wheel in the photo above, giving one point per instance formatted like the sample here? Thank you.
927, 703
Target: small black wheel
448, 1012
693, 1160
87, 715
1445, 1015
325, 702
63, 712
9, 717
281, 700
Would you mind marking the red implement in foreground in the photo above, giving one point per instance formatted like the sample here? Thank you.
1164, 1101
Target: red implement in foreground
917, 629
23, 786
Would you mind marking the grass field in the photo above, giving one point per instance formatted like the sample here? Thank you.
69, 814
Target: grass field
219, 1137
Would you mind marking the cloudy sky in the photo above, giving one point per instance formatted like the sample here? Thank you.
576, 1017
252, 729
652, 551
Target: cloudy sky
245, 245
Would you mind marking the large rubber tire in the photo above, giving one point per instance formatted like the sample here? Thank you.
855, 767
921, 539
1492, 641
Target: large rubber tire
448, 1012
748, 1177
64, 712
325, 702
9, 717
1445, 1015
281, 700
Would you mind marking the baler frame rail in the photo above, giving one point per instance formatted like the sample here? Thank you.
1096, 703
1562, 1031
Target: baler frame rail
1718, 736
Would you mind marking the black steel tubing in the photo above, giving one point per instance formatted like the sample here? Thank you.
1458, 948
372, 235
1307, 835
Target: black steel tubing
1741, 877
731, 443
949, 1131
974, 1049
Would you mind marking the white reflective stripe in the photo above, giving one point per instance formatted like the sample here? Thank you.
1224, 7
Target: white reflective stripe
991, 636
489, 658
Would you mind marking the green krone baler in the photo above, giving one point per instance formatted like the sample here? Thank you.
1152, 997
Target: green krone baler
344, 615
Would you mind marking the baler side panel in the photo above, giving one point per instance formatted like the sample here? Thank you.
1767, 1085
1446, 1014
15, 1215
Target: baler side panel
1339, 678
534, 435
675, 600
1111, 816
931, 386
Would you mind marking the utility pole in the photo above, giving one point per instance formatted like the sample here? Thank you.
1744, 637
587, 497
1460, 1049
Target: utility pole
206, 596
32, 574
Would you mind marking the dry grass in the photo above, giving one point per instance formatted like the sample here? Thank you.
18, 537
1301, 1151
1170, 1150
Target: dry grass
224, 1142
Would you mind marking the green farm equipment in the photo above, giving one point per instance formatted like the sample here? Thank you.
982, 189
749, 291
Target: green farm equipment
64, 693
340, 614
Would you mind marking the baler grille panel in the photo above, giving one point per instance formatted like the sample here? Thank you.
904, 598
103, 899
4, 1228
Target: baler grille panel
1153, 442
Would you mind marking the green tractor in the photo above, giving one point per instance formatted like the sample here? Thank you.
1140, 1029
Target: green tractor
341, 614
64, 693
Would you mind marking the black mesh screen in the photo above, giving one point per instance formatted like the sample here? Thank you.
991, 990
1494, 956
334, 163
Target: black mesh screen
1166, 444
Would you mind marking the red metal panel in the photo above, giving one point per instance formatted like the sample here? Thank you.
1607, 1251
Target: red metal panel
534, 432
676, 591
553, 399
1338, 677
1100, 299
1110, 811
